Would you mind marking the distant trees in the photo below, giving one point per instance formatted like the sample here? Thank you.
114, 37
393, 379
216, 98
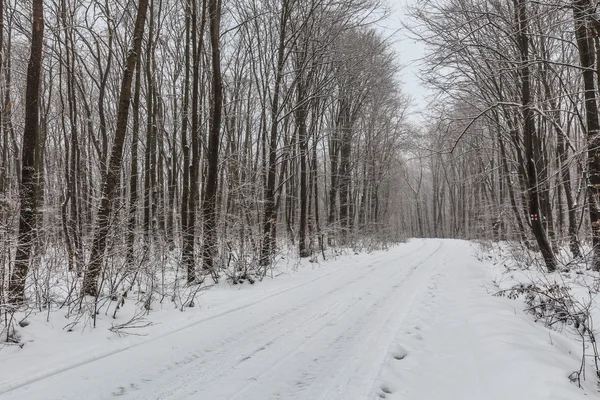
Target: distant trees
516, 122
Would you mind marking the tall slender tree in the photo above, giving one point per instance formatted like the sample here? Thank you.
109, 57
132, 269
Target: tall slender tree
209, 204
27, 189
582, 14
113, 176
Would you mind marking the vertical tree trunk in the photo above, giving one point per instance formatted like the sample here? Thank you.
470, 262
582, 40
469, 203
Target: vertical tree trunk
70, 212
7, 123
345, 178
530, 142
173, 167
303, 145
150, 153
133, 179
27, 189
3, 134
209, 204
334, 147
315, 183
112, 179
582, 9
187, 255
564, 176
102, 92
270, 208
197, 50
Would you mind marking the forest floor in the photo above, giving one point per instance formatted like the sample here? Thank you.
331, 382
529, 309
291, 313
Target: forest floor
416, 322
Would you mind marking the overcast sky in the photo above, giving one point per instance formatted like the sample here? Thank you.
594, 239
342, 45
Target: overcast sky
409, 53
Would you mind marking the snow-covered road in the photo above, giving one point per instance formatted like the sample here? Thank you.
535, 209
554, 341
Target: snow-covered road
415, 322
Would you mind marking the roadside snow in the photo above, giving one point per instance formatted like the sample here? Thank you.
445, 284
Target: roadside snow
417, 322
463, 343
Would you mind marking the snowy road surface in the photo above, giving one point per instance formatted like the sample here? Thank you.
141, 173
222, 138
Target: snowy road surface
415, 322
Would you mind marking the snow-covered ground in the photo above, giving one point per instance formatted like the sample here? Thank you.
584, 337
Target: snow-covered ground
417, 322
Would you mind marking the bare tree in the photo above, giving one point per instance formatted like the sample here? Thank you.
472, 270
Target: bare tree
111, 181
27, 189
209, 204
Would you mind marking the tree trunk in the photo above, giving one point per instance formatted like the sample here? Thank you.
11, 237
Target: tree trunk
113, 176
187, 254
303, 144
582, 9
209, 214
4, 156
270, 208
27, 189
529, 132
133, 182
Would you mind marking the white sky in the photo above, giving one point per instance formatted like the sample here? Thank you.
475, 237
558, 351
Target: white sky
409, 52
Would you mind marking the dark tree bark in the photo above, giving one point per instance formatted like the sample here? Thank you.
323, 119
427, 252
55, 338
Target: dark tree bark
70, 211
4, 134
300, 116
582, 10
27, 188
133, 179
112, 179
102, 92
173, 167
334, 150
529, 132
187, 236
315, 184
150, 198
209, 204
345, 182
564, 176
270, 208
344, 127
197, 43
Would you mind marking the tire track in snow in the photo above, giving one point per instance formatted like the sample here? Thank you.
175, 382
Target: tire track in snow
334, 345
396, 317
12, 386
395, 351
302, 318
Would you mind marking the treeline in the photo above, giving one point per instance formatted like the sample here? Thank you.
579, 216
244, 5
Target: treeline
201, 134
511, 150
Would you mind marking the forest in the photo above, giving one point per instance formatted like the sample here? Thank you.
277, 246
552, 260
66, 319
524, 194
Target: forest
167, 144
193, 133
249, 199
513, 143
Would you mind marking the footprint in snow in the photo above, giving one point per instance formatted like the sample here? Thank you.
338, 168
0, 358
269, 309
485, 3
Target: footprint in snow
120, 392
399, 353
386, 389
301, 384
